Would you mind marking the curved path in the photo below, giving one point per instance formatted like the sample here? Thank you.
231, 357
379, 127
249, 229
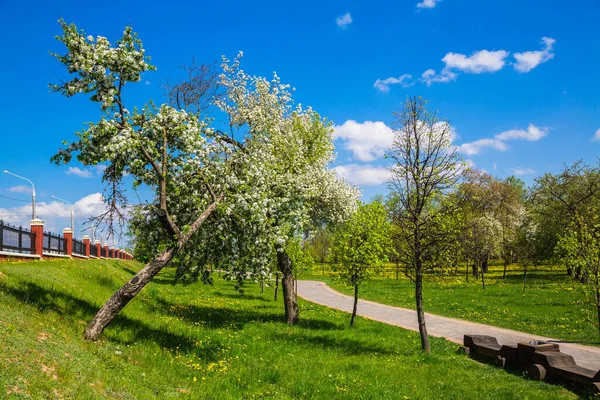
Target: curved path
448, 328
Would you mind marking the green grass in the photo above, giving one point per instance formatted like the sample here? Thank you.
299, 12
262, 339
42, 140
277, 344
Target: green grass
553, 306
208, 342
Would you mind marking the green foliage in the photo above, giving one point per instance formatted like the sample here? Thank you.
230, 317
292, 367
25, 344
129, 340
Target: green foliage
362, 244
298, 252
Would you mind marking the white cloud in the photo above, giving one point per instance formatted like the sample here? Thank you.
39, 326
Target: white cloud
530, 59
99, 169
343, 20
498, 142
522, 171
476, 63
20, 189
383, 84
531, 134
429, 77
495, 166
428, 4
367, 141
365, 175
478, 146
56, 214
82, 173
596, 136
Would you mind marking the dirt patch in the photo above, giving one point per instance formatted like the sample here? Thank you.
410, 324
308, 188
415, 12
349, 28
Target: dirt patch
50, 372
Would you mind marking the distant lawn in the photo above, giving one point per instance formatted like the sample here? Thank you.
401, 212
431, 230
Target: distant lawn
552, 306
208, 342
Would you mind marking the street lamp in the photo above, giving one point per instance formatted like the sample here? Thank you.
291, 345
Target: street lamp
72, 212
32, 192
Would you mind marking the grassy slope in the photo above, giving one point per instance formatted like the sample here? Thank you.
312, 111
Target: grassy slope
552, 306
200, 341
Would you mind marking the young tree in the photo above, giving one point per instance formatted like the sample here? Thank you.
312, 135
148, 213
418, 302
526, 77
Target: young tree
555, 200
580, 247
361, 245
426, 168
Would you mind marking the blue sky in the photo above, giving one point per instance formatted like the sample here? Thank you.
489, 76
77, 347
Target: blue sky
517, 79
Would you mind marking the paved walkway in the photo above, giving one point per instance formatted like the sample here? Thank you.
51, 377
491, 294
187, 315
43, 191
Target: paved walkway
448, 328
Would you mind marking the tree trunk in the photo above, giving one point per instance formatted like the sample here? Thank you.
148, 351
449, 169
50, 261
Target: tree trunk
467, 271
505, 267
276, 286
130, 289
355, 305
127, 292
420, 312
598, 307
485, 265
262, 286
597, 284
397, 270
483, 274
524, 278
284, 263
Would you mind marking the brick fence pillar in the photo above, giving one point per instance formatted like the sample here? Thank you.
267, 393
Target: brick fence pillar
37, 227
105, 251
97, 248
68, 235
86, 245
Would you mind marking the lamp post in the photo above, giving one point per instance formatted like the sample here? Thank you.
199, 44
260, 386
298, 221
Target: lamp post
72, 211
32, 192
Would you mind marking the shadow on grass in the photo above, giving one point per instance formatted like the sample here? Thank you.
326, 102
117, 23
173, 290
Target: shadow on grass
122, 329
234, 318
106, 282
129, 270
350, 347
579, 389
245, 296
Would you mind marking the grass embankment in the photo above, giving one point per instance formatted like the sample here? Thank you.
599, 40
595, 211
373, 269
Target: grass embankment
208, 342
552, 306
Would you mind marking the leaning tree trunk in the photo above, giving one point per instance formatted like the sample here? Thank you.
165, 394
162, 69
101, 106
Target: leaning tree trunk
284, 263
276, 285
130, 289
420, 312
127, 292
354, 309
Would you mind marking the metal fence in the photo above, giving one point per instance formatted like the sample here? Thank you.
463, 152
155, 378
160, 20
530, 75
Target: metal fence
16, 239
78, 247
54, 243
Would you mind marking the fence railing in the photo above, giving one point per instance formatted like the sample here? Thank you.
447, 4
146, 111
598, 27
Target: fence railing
54, 243
21, 242
78, 247
16, 239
